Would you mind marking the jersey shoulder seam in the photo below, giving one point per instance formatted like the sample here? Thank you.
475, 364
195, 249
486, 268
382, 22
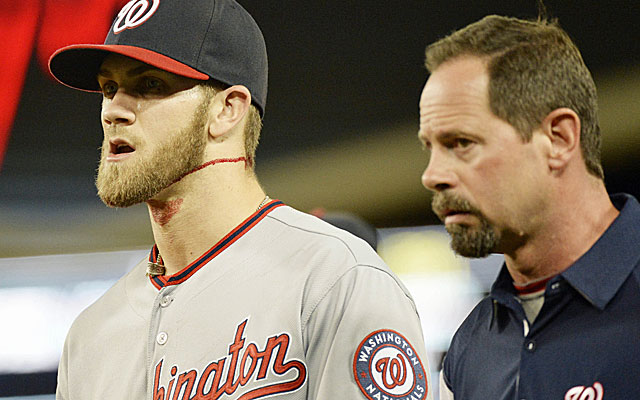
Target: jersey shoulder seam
339, 278
346, 245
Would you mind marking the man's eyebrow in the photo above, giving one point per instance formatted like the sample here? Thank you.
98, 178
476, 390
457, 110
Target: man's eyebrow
443, 136
132, 72
453, 133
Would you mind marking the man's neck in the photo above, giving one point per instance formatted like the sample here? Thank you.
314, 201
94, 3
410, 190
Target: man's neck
194, 214
578, 220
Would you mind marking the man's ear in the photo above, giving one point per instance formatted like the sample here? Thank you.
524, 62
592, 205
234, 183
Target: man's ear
562, 128
231, 105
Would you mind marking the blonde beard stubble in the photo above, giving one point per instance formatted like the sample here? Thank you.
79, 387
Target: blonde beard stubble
138, 180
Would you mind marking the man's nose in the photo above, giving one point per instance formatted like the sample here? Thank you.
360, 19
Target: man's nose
438, 175
119, 109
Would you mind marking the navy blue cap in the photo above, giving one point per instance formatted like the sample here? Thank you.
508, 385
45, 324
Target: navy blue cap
198, 39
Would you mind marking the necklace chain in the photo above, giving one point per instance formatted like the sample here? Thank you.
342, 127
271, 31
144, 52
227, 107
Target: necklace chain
264, 201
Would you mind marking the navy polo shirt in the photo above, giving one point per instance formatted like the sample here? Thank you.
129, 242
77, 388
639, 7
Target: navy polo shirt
584, 344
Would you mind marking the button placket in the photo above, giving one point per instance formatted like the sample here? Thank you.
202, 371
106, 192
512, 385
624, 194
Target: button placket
165, 301
162, 338
525, 326
530, 346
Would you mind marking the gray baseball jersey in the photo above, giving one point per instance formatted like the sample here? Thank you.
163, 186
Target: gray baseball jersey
285, 306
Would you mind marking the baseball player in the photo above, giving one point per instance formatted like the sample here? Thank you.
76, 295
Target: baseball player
242, 297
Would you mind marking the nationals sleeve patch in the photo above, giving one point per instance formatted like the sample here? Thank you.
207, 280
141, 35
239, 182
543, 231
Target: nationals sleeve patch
387, 367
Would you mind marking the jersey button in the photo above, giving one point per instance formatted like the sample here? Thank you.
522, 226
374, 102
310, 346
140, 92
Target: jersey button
166, 300
531, 346
162, 338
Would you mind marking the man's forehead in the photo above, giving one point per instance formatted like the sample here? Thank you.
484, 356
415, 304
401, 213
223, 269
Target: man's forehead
462, 76
120, 63
456, 88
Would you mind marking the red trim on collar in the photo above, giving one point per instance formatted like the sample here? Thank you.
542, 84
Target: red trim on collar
532, 287
245, 226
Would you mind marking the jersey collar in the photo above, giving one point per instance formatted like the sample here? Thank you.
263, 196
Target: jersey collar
161, 281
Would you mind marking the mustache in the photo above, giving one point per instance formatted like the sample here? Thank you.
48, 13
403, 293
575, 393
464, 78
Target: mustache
119, 131
443, 202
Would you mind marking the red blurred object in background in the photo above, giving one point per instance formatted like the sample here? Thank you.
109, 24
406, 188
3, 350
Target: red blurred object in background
43, 25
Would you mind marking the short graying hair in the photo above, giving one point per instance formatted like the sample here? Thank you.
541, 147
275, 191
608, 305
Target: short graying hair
534, 68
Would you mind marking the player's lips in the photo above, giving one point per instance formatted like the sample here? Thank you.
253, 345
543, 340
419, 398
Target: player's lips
458, 218
449, 216
119, 149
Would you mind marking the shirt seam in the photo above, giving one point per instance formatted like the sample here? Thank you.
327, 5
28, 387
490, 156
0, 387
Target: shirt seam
353, 256
339, 278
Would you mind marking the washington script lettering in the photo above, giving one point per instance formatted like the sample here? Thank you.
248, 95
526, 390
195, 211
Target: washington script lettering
243, 366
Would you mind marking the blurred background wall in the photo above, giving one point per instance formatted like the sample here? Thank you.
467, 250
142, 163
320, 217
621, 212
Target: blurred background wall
339, 131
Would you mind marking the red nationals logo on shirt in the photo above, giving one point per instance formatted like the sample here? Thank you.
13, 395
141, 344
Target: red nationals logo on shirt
387, 367
223, 378
134, 14
595, 392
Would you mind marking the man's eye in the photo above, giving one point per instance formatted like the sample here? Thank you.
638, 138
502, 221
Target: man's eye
151, 84
463, 143
109, 88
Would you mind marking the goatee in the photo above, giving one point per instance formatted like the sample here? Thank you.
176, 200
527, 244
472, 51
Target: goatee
466, 240
140, 179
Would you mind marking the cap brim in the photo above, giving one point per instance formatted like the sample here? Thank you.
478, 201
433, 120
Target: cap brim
78, 65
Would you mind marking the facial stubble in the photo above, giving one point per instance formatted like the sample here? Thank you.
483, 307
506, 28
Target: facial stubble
136, 181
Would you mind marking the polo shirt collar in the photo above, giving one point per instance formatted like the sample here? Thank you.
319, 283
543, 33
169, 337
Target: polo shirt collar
502, 290
601, 271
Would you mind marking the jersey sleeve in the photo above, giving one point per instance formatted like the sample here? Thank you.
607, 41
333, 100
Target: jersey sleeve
445, 392
62, 390
363, 340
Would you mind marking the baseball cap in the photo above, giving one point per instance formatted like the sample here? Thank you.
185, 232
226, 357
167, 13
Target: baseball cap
197, 39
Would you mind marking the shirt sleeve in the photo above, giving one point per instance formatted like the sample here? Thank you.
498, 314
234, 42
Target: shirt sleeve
445, 392
364, 340
62, 391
